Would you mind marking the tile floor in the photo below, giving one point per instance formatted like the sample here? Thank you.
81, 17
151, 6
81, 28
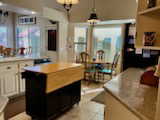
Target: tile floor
86, 110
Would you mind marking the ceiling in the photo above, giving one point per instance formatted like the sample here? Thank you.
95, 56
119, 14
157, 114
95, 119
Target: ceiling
106, 9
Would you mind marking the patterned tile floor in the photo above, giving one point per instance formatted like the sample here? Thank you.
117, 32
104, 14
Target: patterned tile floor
86, 110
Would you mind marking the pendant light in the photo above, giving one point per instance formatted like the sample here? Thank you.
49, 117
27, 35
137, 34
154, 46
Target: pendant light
93, 19
67, 4
3, 16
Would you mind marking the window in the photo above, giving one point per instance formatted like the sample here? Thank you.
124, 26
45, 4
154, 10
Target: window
29, 36
80, 40
108, 39
3, 36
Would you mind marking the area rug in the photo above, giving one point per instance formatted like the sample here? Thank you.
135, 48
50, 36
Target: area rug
99, 98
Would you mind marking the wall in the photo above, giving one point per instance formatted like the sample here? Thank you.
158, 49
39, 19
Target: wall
35, 5
62, 34
10, 26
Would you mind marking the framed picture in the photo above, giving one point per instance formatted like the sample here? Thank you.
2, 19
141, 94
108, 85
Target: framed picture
151, 3
149, 38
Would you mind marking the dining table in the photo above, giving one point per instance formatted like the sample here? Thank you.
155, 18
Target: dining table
97, 64
98, 61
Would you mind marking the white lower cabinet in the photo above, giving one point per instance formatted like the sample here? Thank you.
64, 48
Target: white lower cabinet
115, 110
9, 79
11, 82
1, 116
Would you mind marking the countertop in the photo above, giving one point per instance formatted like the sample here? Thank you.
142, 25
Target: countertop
52, 68
20, 58
138, 98
3, 103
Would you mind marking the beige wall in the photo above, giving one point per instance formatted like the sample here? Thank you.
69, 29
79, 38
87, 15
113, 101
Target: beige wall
35, 5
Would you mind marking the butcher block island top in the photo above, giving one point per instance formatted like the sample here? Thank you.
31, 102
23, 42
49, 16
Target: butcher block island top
52, 68
58, 75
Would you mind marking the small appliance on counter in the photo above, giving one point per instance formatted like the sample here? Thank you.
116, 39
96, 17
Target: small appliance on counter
42, 61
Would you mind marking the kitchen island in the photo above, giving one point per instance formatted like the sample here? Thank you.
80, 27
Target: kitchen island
127, 99
52, 89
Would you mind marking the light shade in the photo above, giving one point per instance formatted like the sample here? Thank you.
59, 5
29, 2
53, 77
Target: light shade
93, 18
68, 2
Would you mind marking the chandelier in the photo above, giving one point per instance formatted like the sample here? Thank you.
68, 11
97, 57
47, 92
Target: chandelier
67, 4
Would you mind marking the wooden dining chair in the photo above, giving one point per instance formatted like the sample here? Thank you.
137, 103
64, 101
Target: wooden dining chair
100, 55
109, 70
89, 71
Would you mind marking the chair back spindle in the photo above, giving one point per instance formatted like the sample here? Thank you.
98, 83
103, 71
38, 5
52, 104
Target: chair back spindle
115, 61
100, 55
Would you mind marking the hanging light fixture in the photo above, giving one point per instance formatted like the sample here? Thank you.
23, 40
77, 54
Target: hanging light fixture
3, 16
67, 4
93, 19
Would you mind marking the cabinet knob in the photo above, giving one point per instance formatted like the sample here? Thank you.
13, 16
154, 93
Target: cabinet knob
26, 65
8, 68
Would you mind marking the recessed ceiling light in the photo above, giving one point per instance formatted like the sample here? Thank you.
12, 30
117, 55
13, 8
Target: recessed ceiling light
1, 3
33, 12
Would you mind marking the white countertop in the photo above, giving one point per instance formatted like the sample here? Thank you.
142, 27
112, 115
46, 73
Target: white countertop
20, 58
3, 103
139, 99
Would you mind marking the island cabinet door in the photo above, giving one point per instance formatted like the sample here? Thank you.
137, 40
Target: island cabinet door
114, 110
65, 98
75, 92
53, 103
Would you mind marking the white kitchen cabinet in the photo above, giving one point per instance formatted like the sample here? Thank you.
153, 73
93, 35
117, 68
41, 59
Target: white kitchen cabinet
115, 110
22, 81
9, 80
1, 116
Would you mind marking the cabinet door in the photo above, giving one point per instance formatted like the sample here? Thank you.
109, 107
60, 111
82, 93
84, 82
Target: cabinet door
1, 116
21, 67
9, 83
22, 84
115, 110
